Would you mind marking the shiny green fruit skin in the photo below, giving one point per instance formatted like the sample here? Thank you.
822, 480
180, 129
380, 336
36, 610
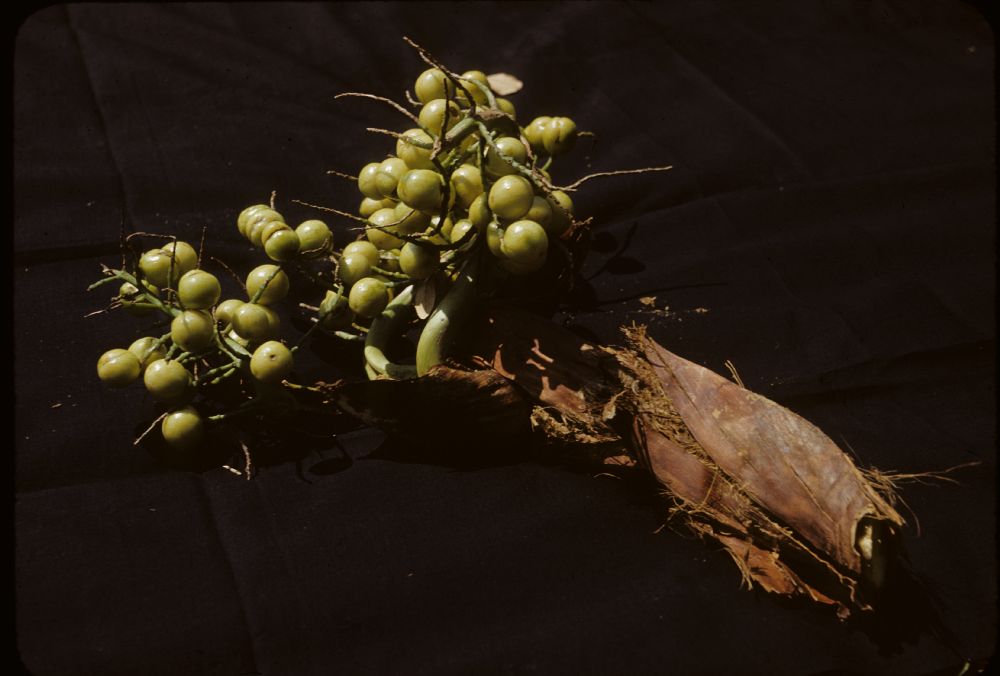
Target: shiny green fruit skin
414, 157
198, 290
421, 189
432, 84
159, 268
562, 210
225, 310
511, 197
314, 236
166, 380
540, 212
559, 136
366, 249
533, 132
368, 297
525, 245
478, 95
459, 229
433, 116
369, 206
192, 330
479, 212
410, 220
353, 267
506, 106
276, 282
387, 176
467, 184
118, 368
367, 181
510, 147
255, 322
241, 220
147, 350
185, 255
271, 362
282, 245
418, 262
382, 236
258, 216
183, 429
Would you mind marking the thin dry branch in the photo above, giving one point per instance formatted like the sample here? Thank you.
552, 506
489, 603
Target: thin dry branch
383, 99
333, 211
334, 172
644, 170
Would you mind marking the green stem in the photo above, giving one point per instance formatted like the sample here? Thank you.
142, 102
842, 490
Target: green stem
397, 312
439, 331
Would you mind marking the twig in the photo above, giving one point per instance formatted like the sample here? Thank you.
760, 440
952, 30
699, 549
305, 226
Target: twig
332, 210
232, 274
575, 185
150, 428
383, 99
334, 172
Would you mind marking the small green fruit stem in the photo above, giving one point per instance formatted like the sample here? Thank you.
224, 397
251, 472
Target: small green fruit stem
439, 331
397, 312
263, 287
148, 297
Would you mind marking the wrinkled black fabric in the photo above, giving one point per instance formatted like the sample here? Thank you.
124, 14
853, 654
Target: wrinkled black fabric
828, 227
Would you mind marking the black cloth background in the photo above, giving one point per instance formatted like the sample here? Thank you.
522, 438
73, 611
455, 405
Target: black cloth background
828, 227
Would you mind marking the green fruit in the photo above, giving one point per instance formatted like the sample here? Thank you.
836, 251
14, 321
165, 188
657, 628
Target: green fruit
438, 116
166, 380
367, 249
370, 206
525, 245
255, 322
198, 290
271, 362
478, 95
414, 157
159, 268
533, 132
418, 262
258, 216
387, 176
559, 136
506, 106
410, 220
366, 181
353, 267
511, 197
267, 284
314, 236
459, 229
382, 236
562, 211
185, 256
183, 429
540, 212
467, 184
192, 330
224, 311
118, 368
241, 220
479, 212
368, 297
282, 245
510, 147
148, 350
421, 189
433, 84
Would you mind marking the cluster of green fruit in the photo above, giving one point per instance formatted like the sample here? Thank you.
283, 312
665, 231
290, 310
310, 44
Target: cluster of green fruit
466, 184
241, 334
465, 178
